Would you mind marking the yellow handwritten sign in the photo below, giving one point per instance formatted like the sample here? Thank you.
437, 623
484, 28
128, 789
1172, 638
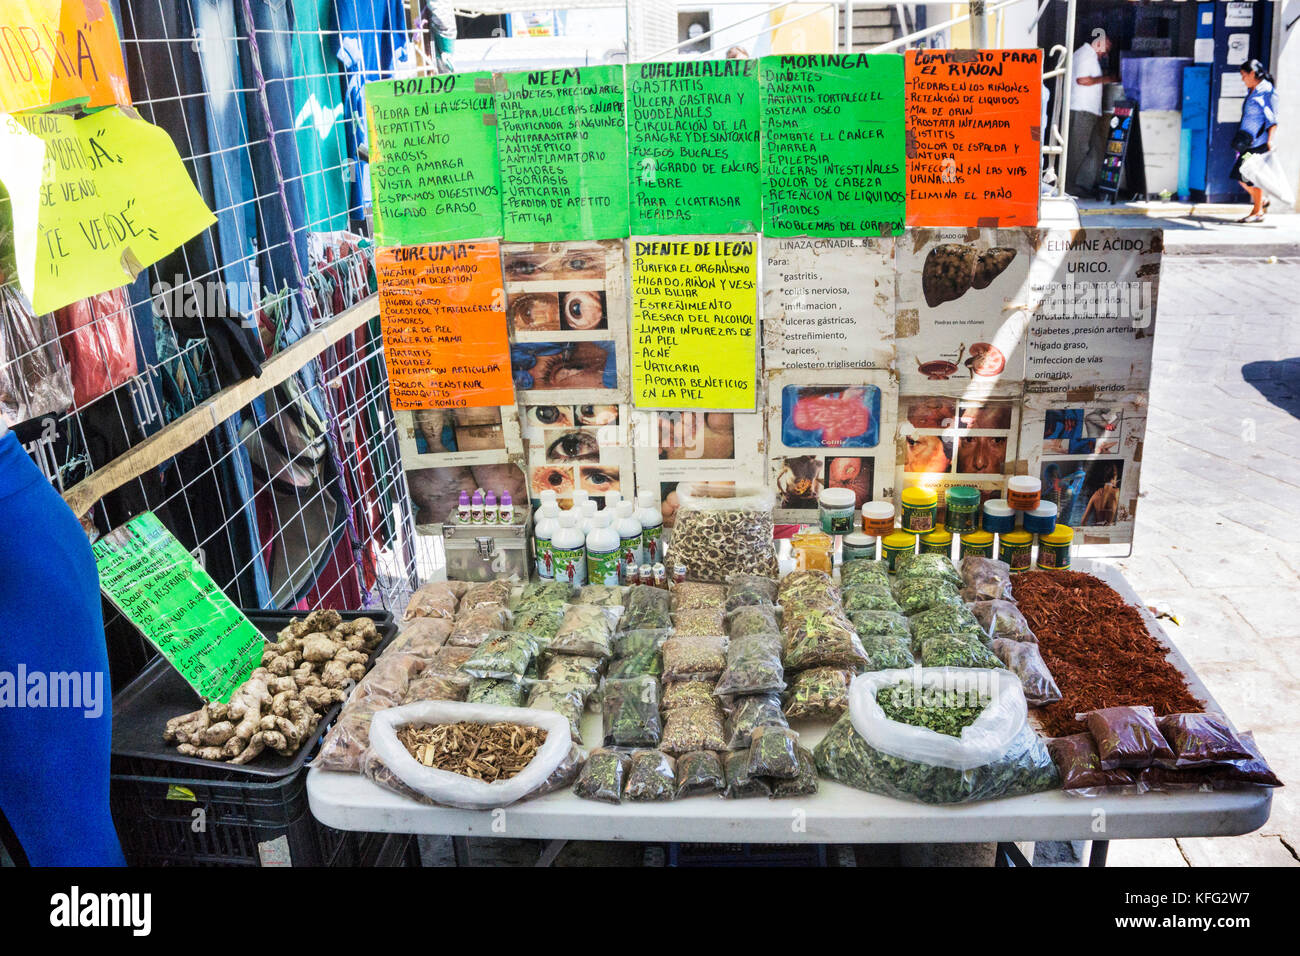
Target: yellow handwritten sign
54, 52
695, 323
114, 197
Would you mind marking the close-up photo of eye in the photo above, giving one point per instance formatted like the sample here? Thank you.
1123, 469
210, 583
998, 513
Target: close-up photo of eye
535, 312
563, 365
582, 311
597, 414
583, 264
597, 479
559, 480
524, 265
552, 415
574, 445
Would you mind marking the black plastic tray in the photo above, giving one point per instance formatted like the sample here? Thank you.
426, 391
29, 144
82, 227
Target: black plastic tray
142, 708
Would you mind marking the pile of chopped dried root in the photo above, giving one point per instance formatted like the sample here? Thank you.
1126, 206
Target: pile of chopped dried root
489, 752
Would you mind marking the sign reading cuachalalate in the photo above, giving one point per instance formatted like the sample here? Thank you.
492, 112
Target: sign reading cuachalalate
563, 153
693, 149
164, 591
833, 144
433, 159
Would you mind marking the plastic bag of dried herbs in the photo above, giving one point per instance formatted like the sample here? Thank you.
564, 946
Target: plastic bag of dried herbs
887, 651
739, 782
1027, 663
651, 776
806, 585
926, 567
609, 595
649, 661
429, 686
504, 693
749, 712
774, 752
995, 754
696, 595
602, 776
543, 622
698, 772
822, 640
546, 594
638, 652
504, 655
487, 592
802, 784
753, 666
699, 622
694, 658
818, 693
870, 598
630, 711
569, 700
746, 590
586, 630
687, 693
698, 727
1127, 738
646, 607
880, 622
956, 650
715, 537
434, 599
423, 637
474, 626
448, 660
1002, 619
917, 596
985, 579
946, 619
754, 619
573, 669
864, 573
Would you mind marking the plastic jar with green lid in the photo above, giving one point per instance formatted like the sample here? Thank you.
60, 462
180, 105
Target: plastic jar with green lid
938, 541
1016, 549
1054, 548
919, 508
961, 509
978, 544
892, 545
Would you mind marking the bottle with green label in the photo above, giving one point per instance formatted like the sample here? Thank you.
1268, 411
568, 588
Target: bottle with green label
569, 551
547, 524
652, 526
603, 551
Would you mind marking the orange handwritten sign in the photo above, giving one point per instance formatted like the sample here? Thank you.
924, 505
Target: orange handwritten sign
973, 137
60, 51
442, 311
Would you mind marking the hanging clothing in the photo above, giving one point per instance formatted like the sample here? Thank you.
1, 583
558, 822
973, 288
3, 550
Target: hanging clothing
318, 117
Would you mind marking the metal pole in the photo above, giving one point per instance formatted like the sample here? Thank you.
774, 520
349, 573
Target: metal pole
979, 26
1067, 84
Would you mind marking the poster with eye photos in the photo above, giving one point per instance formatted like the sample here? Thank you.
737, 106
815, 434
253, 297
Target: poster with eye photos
1087, 449
717, 448
963, 311
578, 446
945, 441
566, 305
829, 429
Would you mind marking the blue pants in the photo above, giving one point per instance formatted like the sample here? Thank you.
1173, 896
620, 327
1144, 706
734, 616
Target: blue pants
53, 759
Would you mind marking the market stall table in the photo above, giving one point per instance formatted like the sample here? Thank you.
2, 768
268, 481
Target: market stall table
836, 814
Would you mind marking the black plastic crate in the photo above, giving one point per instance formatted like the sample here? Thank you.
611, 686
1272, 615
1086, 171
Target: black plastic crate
746, 854
173, 810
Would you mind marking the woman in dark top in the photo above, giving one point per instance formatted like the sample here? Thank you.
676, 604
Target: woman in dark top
1258, 124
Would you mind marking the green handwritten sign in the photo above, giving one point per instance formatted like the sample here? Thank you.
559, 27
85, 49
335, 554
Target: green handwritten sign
833, 144
162, 590
693, 147
563, 152
433, 159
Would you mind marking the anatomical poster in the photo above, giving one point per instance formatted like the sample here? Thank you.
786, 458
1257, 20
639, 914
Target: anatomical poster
1088, 453
963, 310
718, 448
574, 447
945, 440
828, 303
566, 303
829, 429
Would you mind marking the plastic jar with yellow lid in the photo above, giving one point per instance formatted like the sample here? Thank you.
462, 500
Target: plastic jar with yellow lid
978, 544
892, 545
938, 541
1016, 549
919, 508
1054, 548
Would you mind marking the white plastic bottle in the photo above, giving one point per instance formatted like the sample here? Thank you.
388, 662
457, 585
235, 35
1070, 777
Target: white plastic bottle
490, 509
547, 524
652, 526
547, 497
629, 538
612, 500
569, 551
602, 550
589, 511
580, 498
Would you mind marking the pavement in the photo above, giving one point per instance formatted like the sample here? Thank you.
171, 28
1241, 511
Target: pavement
1216, 543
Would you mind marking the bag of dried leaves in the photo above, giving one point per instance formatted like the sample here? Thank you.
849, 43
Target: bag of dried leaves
630, 710
803, 784
646, 607
822, 639
1027, 663
818, 693
697, 727
602, 776
694, 658
749, 713
567, 700
699, 772
651, 776
985, 579
586, 630
505, 655
866, 573
1002, 619
699, 595
774, 752
925, 567
753, 666
739, 782
747, 590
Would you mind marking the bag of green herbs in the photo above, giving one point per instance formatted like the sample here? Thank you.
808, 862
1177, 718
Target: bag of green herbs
651, 776
887, 651
569, 700
926, 567
753, 666
699, 772
630, 709
864, 572
749, 713
916, 596
955, 735
645, 606
956, 650
602, 776
870, 598
505, 655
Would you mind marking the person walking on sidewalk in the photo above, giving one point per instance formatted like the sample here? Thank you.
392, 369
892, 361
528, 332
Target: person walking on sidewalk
1255, 135
1087, 131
